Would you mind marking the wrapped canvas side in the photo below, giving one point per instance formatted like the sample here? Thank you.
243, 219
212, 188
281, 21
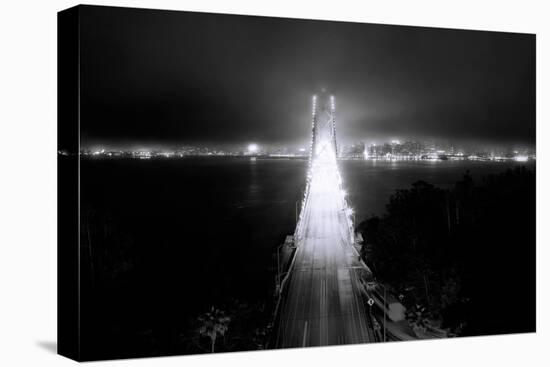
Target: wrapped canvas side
68, 317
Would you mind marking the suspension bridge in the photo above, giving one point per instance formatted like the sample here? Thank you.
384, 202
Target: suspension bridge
322, 296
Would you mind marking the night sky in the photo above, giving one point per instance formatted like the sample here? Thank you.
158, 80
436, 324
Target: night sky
161, 77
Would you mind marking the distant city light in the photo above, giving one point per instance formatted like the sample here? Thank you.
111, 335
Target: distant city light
387, 151
253, 148
521, 158
366, 153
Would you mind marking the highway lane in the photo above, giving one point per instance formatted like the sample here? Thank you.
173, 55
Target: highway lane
322, 302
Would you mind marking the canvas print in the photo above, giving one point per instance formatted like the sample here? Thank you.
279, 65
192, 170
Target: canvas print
241, 183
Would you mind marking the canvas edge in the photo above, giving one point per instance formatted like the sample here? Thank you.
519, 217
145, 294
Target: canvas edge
68, 184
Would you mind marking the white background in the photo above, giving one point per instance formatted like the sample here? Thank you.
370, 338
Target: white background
28, 183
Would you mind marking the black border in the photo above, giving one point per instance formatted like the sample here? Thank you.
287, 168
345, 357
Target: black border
68, 184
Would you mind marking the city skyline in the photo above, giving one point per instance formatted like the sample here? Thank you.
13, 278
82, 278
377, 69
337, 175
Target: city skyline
424, 145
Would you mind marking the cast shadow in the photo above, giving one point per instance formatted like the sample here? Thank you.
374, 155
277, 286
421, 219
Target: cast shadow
50, 346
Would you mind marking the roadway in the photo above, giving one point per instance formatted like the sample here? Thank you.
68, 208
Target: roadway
322, 301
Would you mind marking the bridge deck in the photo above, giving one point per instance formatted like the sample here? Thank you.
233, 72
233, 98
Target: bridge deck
322, 302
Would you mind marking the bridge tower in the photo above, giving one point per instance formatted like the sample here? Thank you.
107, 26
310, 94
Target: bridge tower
323, 123
333, 118
323, 155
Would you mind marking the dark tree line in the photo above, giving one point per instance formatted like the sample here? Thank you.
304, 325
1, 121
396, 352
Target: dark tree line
465, 256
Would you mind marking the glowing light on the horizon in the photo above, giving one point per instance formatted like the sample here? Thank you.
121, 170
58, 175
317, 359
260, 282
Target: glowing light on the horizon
521, 158
253, 148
